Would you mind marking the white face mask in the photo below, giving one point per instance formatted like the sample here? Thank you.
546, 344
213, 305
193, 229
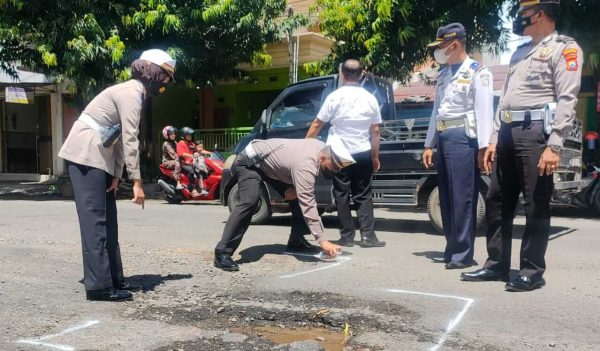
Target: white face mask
440, 56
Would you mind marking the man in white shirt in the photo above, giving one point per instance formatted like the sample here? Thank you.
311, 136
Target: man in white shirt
460, 127
354, 116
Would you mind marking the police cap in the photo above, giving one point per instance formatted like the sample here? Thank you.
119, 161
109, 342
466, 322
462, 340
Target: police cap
447, 33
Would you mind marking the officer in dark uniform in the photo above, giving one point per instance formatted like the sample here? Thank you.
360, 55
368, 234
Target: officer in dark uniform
535, 116
460, 127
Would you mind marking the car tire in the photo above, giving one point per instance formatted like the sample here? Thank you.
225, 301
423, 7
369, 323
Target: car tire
435, 211
595, 202
261, 215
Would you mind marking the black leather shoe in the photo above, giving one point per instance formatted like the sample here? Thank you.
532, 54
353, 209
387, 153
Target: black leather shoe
439, 260
459, 265
522, 283
302, 245
223, 260
108, 294
344, 242
371, 242
483, 275
128, 286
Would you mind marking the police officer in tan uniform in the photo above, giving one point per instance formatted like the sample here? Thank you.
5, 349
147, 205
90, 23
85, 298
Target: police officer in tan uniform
534, 118
96, 153
295, 162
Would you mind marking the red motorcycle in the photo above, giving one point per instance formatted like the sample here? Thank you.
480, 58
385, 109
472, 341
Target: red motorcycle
167, 182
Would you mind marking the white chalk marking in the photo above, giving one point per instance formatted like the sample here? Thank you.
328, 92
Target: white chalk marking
40, 340
45, 344
339, 260
561, 233
453, 323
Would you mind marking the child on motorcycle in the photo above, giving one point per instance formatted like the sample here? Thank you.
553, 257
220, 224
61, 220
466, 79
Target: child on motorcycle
170, 159
187, 151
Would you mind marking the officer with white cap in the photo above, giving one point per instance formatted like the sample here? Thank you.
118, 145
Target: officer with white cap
295, 162
102, 141
460, 128
535, 116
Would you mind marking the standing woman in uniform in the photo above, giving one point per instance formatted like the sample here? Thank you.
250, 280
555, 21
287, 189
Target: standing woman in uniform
102, 141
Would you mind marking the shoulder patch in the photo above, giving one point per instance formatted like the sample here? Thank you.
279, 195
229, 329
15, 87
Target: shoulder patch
570, 55
475, 65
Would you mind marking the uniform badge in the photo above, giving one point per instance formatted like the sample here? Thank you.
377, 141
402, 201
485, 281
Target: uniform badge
545, 53
441, 125
570, 56
475, 65
485, 80
463, 81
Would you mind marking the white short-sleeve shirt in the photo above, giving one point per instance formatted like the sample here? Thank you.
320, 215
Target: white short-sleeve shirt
351, 110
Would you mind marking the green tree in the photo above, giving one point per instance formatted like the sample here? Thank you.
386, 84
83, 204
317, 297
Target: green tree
390, 36
579, 19
92, 42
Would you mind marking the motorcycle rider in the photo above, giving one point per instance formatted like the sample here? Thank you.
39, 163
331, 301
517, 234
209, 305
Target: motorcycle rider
186, 148
170, 159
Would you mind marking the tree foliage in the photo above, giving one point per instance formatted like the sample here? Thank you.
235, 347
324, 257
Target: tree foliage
579, 19
92, 42
390, 36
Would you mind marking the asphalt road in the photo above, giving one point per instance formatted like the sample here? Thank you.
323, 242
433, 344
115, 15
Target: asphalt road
392, 298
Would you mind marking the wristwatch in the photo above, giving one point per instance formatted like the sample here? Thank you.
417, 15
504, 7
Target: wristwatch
555, 148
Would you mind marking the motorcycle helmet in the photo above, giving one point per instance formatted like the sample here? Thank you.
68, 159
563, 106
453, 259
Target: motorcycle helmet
168, 130
186, 131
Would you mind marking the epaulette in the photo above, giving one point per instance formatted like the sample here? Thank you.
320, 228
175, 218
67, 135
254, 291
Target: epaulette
565, 39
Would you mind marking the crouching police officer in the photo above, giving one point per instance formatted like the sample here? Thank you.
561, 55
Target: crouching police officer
535, 116
295, 162
460, 125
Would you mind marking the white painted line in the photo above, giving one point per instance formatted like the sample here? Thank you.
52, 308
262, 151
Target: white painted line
453, 323
338, 261
45, 344
39, 341
561, 233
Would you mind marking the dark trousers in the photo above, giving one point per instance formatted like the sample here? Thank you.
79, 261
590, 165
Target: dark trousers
249, 182
520, 146
97, 211
458, 178
189, 171
355, 180
298, 224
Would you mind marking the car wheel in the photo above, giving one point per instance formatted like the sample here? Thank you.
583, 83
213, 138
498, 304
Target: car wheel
261, 214
435, 211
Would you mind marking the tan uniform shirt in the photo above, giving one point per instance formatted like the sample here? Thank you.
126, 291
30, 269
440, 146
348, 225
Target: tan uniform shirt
545, 73
295, 162
119, 104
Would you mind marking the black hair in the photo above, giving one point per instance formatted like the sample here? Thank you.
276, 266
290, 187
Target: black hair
352, 70
552, 11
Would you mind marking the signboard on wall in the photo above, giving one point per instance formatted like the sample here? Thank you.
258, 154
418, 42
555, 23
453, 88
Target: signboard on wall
16, 95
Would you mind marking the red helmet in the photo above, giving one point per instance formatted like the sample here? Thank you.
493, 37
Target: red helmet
168, 130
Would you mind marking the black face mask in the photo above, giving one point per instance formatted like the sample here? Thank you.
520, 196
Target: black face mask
155, 88
520, 23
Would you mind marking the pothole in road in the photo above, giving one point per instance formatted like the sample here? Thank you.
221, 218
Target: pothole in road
329, 340
288, 321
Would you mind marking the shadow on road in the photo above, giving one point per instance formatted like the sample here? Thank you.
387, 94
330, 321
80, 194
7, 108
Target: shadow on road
151, 281
429, 254
256, 253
